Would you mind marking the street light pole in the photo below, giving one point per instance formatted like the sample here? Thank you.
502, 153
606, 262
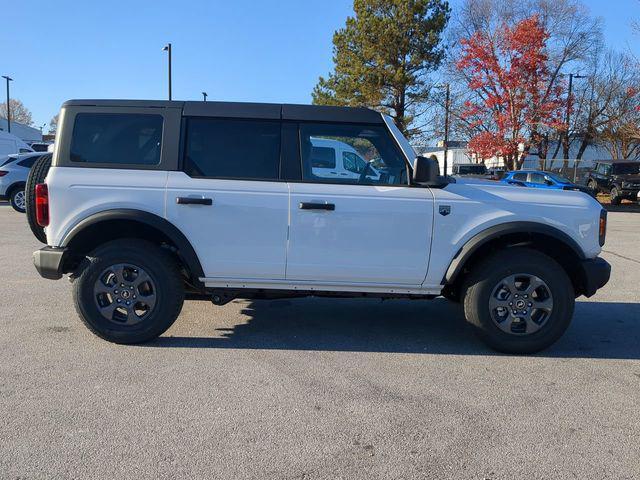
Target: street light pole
204, 96
167, 48
9, 79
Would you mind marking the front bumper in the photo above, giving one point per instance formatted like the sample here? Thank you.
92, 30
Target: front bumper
595, 273
50, 262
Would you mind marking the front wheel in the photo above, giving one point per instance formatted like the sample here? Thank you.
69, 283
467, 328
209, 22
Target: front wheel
17, 200
519, 300
128, 291
593, 186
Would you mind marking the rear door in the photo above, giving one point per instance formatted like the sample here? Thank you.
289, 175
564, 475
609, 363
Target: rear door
227, 197
375, 229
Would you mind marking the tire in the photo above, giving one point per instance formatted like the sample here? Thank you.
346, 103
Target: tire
37, 175
488, 277
17, 199
616, 199
165, 284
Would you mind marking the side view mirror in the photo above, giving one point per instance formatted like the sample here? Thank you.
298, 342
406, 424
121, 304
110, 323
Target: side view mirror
425, 170
548, 181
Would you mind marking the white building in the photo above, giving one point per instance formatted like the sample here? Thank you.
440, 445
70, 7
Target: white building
23, 132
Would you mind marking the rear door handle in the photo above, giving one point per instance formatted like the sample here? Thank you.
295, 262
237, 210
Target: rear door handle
316, 206
193, 201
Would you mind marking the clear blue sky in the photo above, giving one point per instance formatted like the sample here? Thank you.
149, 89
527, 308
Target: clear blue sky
243, 50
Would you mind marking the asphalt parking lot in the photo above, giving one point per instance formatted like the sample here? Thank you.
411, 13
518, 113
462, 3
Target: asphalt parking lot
315, 388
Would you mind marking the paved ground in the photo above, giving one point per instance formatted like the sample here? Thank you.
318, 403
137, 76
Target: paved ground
312, 389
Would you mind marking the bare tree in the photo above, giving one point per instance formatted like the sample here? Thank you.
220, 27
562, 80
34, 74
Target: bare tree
574, 37
53, 124
19, 113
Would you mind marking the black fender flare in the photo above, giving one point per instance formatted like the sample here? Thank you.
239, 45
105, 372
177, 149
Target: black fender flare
496, 231
187, 252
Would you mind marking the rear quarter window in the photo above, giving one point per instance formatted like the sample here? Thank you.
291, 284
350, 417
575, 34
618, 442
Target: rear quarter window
114, 138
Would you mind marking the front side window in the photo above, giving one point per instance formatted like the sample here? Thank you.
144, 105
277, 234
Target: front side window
230, 148
117, 138
369, 155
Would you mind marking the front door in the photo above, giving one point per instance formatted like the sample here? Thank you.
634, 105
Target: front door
374, 229
228, 200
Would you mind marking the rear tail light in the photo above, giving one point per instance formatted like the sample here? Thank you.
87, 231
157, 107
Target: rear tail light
3, 173
602, 231
42, 204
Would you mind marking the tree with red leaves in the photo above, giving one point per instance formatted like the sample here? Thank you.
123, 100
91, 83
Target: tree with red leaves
507, 71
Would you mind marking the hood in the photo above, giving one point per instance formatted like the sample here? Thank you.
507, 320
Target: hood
501, 192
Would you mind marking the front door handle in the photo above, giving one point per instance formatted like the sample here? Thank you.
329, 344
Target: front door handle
316, 206
193, 201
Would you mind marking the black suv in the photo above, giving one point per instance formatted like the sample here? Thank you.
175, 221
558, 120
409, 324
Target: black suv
620, 179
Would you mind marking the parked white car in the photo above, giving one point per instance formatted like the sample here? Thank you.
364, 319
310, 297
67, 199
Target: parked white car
10, 144
149, 203
14, 170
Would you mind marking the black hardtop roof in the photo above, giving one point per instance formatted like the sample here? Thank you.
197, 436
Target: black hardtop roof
266, 111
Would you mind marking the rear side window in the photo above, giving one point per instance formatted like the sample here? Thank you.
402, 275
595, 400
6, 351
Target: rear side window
520, 177
117, 138
28, 162
239, 149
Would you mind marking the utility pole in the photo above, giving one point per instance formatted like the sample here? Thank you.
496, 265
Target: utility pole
204, 96
565, 137
9, 79
446, 125
167, 48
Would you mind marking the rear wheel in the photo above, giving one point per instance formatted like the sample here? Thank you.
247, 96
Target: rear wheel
519, 301
37, 175
17, 199
616, 199
128, 291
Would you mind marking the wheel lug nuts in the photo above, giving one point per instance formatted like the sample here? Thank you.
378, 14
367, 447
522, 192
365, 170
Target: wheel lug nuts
511, 304
134, 296
128, 303
115, 291
118, 300
530, 304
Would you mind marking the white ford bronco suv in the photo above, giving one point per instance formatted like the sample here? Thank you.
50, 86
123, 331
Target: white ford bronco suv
148, 203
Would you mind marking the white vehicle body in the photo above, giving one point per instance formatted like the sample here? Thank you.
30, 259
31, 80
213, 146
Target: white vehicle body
275, 245
10, 144
255, 201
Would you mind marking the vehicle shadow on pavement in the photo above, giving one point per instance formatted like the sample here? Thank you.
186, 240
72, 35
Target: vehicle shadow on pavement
598, 330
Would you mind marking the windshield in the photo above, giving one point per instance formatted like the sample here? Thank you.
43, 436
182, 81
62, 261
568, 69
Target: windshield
626, 168
472, 169
559, 178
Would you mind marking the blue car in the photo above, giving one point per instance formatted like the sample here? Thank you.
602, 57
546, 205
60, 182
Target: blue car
541, 179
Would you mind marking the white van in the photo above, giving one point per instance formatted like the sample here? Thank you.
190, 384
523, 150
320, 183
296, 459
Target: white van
9, 144
334, 159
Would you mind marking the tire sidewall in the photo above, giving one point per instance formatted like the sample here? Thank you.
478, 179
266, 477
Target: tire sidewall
563, 304
615, 196
167, 294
